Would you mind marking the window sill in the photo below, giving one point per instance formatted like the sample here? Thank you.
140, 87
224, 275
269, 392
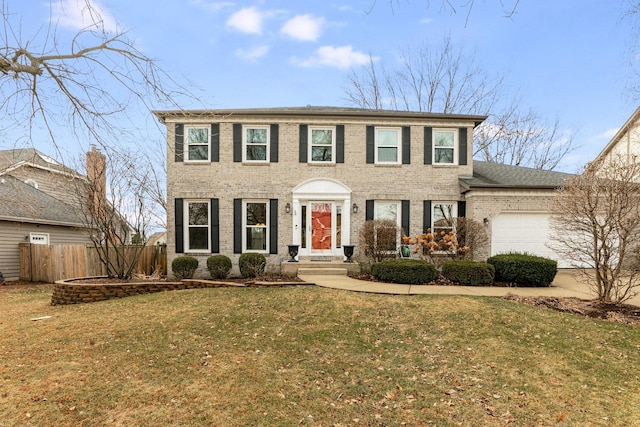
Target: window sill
256, 163
388, 165
321, 164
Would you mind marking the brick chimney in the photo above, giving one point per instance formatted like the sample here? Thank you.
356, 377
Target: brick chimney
96, 175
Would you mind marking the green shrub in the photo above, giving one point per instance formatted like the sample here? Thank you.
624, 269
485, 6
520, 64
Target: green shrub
469, 272
184, 266
219, 266
409, 271
252, 264
524, 269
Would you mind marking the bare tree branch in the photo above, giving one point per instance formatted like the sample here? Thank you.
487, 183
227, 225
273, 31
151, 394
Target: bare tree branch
596, 224
445, 79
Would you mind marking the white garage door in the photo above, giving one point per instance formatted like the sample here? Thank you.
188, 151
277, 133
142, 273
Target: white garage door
523, 232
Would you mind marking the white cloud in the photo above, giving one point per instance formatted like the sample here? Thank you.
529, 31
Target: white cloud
82, 14
303, 27
247, 20
253, 54
426, 21
338, 57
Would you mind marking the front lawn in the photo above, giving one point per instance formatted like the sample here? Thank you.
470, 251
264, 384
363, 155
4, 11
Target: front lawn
310, 356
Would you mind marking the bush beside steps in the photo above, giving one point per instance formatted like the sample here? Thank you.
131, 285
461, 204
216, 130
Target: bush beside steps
406, 271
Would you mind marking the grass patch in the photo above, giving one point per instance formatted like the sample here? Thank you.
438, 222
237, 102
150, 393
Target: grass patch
310, 356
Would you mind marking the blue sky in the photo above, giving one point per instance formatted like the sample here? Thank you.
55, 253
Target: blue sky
567, 59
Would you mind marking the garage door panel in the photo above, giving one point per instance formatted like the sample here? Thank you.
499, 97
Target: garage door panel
523, 232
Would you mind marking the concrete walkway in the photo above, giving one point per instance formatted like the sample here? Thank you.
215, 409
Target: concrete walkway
564, 285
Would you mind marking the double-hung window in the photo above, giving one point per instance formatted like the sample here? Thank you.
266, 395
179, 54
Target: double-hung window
197, 230
387, 239
256, 143
322, 145
444, 146
255, 227
197, 144
388, 145
443, 219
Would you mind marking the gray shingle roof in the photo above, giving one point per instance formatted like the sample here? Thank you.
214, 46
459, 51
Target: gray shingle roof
320, 111
22, 201
18, 156
496, 175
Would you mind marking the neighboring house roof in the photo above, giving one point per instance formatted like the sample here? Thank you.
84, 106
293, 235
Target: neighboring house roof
317, 111
13, 159
618, 136
496, 175
33, 205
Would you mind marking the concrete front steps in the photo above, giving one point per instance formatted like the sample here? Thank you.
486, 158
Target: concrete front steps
335, 267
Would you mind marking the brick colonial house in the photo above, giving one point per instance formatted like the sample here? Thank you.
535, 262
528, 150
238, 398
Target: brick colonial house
257, 180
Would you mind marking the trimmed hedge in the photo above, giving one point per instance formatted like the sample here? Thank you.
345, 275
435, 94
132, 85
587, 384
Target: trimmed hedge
252, 264
219, 266
410, 271
184, 267
524, 269
469, 272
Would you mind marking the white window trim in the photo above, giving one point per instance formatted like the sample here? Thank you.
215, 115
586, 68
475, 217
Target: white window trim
244, 143
399, 146
454, 215
245, 226
398, 204
186, 144
39, 238
310, 144
187, 226
455, 146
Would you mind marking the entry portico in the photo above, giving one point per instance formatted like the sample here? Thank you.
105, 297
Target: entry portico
321, 217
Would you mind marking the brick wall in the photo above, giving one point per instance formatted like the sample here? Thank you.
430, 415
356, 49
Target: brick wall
227, 179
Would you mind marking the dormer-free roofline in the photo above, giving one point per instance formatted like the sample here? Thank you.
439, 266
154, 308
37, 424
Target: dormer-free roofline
311, 111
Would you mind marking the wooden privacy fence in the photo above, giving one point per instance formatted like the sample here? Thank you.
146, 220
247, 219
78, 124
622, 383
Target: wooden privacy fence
48, 263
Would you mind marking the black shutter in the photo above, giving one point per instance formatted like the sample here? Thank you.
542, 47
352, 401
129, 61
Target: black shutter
179, 216
462, 146
237, 142
405, 217
406, 145
215, 226
273, 155
368, 212
179, 143
273, 226
302, 146
215, 142
462, 209
370, 144
340, 144
237, 226
426, 215
428, 145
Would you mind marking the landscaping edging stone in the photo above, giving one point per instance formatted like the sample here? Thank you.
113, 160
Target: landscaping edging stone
67, 292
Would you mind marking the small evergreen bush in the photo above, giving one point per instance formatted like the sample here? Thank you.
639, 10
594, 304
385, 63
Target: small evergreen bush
410, 271
469, 272
184, 267
252, 264
524, 269
219, 266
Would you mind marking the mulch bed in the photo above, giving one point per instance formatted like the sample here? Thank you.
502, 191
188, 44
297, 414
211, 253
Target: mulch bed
619, 313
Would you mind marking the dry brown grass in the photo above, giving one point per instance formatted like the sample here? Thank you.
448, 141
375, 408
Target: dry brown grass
310, 356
